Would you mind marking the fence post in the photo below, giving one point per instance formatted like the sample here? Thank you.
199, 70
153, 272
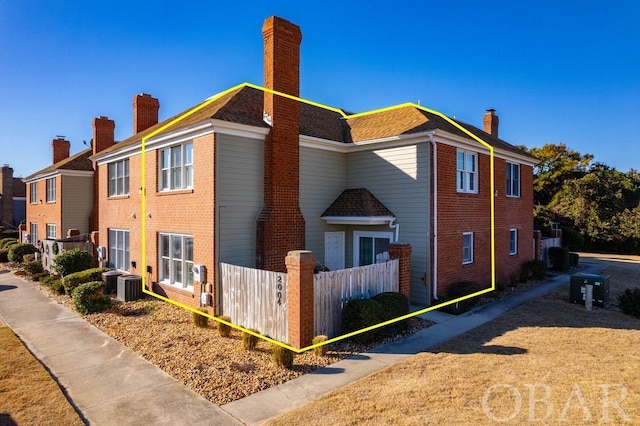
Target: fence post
300, 305
402, 252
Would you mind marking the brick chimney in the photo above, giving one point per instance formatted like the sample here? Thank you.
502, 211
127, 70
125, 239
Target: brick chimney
145, 112
103, 134
490, 122
280, 226
6, 196
61, 148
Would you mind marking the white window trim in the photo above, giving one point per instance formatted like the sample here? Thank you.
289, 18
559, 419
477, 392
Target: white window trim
183, 168
186, 268
372, 234
515, 231
467, 262
51, 226
475, 173
125, 178
127, 249
33, 226
50, 195
509, 184
33, 192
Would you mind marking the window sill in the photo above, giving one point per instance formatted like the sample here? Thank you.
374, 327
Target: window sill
175, 192
467, 192
189, 291
467, 263
119, 197
513, 196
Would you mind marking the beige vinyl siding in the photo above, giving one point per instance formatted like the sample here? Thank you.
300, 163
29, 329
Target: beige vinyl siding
322, 179
239, 185
399, 178
77, 203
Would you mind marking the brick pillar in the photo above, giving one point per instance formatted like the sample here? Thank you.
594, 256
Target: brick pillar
537, 249
300, 305
402, 251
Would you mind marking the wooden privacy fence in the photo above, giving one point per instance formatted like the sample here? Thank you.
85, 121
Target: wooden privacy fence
256, 299
333, 289
546, 244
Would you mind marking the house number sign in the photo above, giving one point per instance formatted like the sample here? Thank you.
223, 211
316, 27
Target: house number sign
279, 293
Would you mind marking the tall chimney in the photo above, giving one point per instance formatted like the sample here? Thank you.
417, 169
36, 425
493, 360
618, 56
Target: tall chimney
145, 112
6, 196
280, 226
491, 121
61, 148
103, 134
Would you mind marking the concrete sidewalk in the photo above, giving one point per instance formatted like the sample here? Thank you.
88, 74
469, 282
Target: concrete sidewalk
106, 382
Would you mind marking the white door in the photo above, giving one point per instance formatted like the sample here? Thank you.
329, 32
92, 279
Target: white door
334, 250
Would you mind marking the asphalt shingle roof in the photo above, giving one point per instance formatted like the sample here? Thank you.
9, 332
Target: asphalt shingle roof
357, 202
79, 161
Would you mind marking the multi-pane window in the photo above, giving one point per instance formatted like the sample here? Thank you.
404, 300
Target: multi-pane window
513, 241
371, 247
119, 249
119, 178
33, 192
513, 180
176, 167
51, 230
176, 260
51, 190
33, 232
467, 171
467, 248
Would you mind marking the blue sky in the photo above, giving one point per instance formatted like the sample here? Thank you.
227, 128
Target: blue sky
555, 71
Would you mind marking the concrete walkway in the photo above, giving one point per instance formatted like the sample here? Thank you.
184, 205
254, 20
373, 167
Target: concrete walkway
109, 384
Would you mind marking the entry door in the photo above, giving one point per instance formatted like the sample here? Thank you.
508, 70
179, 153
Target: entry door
334, 250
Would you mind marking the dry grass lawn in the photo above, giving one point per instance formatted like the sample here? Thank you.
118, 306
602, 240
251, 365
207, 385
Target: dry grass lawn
28, 394
546, 362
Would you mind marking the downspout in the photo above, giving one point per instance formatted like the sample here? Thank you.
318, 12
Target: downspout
435, 218
396, 227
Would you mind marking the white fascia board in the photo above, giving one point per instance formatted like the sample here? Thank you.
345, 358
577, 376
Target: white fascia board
41, 176
358, 220
382, 143
324, 144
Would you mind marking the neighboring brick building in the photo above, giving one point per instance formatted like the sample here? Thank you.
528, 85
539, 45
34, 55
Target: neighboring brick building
12, 199
252, 175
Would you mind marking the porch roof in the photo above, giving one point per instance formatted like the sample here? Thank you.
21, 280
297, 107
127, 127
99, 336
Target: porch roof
357, 206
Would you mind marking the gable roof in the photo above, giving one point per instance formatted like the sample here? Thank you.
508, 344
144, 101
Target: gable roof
357, 202
77, 162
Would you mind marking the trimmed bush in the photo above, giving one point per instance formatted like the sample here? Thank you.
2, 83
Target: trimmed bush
40, 276
361, 313
224, 330
89, 298
249, 341
33, 267
320, 350
4, 255
56, 286
6, 242
71, 261
538, 269
29, 257
283, 357
460, 289
71, 281
17, 252
48, 280
200, 320
559, 257
629, 302
574, 258
395, 305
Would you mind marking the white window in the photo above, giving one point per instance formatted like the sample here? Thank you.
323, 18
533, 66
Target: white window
119, 249
176, 260
33, 192
51, 230
513, 180
513, 241
370, 247
467, 171
119, 178
467, 248
176, 167
33, 228
51, 190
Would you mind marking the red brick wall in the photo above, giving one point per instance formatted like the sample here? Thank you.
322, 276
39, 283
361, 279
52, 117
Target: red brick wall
43, 213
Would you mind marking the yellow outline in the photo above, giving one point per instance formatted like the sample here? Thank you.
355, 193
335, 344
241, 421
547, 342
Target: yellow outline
143, 190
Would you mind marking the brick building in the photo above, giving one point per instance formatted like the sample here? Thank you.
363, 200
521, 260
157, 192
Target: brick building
12, 199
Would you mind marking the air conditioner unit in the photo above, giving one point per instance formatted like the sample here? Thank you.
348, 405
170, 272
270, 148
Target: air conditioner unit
199, 273
102, 253
129, 287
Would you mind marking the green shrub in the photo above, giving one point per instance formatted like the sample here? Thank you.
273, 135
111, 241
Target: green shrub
361, 313
49, 279
249, 341
224, 330
457, 290
559, 257
198, 319
629, 302
320, 350
71, 281
33, 267
17, 251
572, 238
28, 257
73, 260
395, 305
283, 357
538, 269
6, 242
4, 255
574, 259
89, 298
56, 286
40, 276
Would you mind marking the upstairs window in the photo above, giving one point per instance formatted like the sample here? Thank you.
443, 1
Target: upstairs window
513, 180
119, 178
51, 190
176, 167
467, 171
33, 192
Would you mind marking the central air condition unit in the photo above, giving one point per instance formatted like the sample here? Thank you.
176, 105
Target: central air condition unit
199, 273
129, 287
